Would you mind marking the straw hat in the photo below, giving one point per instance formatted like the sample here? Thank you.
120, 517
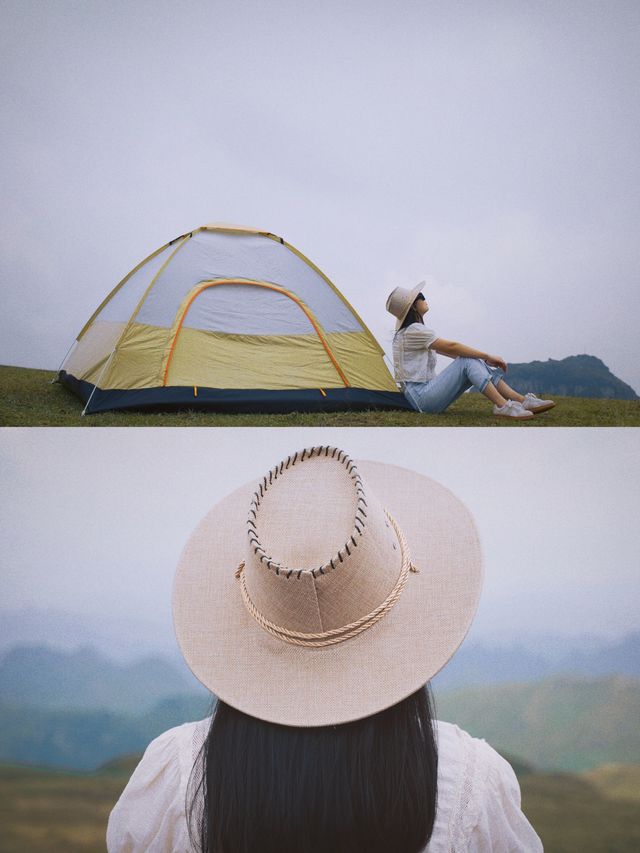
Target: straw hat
327, 591
400, 301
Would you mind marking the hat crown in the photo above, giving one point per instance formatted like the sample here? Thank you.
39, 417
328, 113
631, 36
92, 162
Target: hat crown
400, 301
320, 552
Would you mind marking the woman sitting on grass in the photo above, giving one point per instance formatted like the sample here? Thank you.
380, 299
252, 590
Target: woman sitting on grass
414, 360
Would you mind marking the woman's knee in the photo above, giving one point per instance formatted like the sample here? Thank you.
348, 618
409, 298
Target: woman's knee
471, 364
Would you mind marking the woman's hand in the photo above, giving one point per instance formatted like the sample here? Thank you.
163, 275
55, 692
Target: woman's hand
496, 361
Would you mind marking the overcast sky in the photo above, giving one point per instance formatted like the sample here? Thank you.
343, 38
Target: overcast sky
490, 148
93, 521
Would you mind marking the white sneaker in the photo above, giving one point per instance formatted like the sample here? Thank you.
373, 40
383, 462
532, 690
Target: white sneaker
534, 404
512, 409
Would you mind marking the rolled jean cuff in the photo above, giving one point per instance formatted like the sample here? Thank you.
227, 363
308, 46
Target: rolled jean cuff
495, 375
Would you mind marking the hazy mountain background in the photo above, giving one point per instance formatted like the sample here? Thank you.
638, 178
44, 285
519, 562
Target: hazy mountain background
120, 639
67, 702
575, 376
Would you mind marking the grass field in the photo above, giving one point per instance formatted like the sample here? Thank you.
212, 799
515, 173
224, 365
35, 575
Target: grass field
27, 398
582, 813
49, 811
44, 811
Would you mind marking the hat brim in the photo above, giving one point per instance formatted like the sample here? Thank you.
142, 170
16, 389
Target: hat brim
231, 655
413, 293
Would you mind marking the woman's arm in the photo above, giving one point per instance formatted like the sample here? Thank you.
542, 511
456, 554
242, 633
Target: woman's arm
454, 349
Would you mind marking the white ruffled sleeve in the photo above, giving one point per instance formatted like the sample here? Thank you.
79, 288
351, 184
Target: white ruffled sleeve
500, 824
150, 814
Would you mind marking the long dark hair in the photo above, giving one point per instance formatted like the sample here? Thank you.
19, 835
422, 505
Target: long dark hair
412, 316
367, 786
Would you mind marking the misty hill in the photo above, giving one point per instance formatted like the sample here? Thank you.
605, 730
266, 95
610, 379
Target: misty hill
86, 679
41, 677
481, 664
560, 724
85, 740
118, 637
575, 376
623, 655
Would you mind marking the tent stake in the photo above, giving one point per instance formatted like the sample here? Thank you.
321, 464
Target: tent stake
95, 385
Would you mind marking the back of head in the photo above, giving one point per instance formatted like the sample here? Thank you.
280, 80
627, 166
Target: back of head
412, 317
367, 785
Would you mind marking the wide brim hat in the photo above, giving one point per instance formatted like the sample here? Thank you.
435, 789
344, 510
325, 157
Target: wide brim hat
328, 591
400, 301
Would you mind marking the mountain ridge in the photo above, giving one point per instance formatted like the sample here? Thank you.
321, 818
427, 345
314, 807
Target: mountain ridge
85, 677
574, 376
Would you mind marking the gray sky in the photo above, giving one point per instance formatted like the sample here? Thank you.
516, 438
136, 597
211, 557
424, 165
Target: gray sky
93, 521
490, 148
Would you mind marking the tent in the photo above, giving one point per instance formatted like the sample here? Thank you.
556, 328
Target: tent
228, 319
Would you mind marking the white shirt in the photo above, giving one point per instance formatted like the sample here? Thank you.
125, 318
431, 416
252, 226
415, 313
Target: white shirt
478, 807
413, 360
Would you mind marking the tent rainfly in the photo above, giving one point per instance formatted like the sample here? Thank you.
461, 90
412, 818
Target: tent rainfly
228, 319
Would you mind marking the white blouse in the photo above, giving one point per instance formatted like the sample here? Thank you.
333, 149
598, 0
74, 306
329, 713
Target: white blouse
478, 798
413, 360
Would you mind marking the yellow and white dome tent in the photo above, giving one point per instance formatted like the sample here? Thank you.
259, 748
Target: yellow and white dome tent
229, 319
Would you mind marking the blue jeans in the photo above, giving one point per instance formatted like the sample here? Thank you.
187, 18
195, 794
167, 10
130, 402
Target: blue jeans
438, 394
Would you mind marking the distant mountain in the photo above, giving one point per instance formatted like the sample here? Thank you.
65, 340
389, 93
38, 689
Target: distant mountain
74, 740
575, 376
622, 657
86, 679
85, 740
45, 678
561, 724
175, 710
479, 664
118, 637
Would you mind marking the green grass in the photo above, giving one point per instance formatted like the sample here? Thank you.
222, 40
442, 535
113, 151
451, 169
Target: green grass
617, 781
27, 398
570, 814
49, 811
46, 811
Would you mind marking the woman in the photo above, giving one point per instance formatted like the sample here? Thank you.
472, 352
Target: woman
319, 645
414, 359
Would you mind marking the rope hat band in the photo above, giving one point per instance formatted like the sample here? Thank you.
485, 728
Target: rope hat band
336, 635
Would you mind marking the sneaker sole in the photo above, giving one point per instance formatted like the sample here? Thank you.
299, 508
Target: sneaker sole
540, 409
